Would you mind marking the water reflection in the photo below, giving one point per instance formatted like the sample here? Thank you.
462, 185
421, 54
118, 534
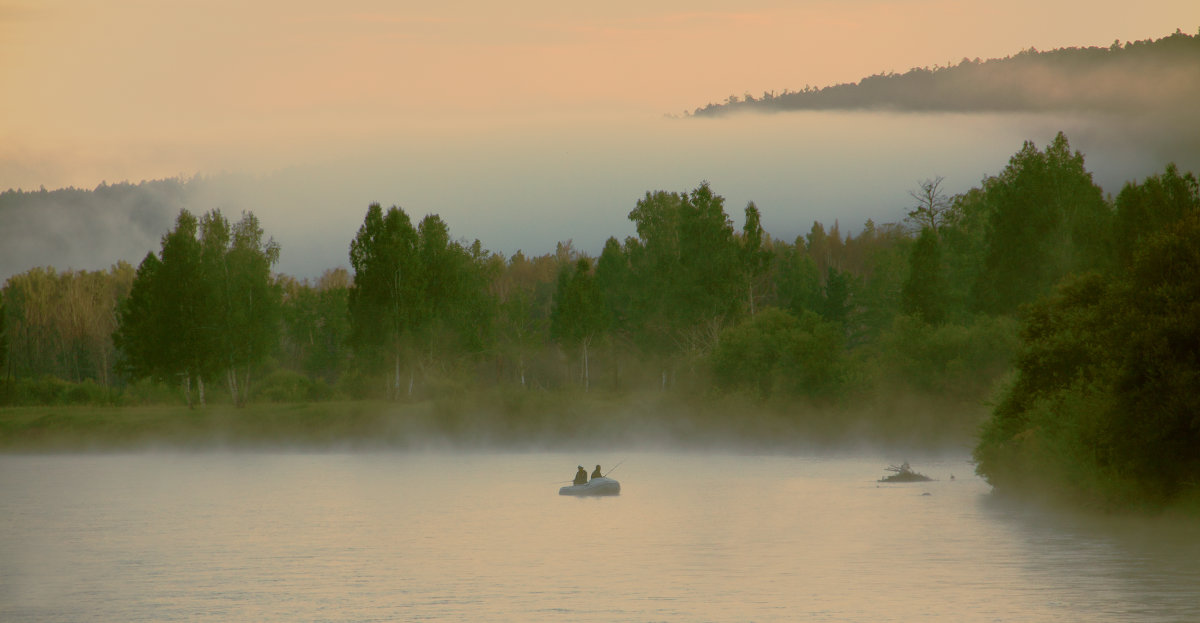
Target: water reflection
485, 536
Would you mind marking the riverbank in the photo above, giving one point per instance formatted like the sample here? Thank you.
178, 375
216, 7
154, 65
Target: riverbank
510, 419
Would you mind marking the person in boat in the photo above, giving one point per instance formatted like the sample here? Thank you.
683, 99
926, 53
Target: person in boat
581, 476
597, 474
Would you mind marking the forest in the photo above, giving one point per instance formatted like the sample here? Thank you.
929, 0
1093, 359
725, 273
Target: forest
1058, 326
1149, 78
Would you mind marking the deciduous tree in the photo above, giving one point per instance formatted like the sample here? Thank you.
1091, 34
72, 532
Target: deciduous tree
384, 300
1047, 219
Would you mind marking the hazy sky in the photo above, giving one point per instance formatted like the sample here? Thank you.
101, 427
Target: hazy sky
367, 94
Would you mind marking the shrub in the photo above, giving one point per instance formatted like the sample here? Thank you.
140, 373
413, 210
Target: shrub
290, 386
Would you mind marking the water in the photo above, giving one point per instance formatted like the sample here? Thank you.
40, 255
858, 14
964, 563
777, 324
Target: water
486, 537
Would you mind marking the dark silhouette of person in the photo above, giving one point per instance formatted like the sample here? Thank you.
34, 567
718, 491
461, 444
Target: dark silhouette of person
581, 476
597, 474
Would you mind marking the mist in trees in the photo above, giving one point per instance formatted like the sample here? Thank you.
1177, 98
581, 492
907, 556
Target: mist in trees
1156, 76
1090, 297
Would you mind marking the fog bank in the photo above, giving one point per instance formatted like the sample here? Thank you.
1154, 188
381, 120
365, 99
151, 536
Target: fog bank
529, 185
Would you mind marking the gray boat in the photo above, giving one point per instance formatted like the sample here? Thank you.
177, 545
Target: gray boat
595, 486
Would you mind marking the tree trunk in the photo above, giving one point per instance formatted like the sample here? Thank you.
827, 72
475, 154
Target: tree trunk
231, 379
200, 385
587, 381
396, 380
187, 389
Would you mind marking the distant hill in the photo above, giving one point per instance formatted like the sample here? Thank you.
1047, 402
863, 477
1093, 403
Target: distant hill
80, 229
1152, 76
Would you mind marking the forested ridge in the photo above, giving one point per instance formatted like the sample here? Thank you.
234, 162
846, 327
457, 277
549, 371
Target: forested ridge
1150, 77
1076, 314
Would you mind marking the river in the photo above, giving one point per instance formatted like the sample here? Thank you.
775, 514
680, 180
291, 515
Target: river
477, 536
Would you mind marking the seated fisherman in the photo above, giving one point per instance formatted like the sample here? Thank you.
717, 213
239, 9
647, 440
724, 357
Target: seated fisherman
581, 476
597, 474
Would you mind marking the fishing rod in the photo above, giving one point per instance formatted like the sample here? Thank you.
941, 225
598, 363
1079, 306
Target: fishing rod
612, 469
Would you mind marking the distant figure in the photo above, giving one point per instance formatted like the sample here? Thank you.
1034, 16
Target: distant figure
581, 476
597, 474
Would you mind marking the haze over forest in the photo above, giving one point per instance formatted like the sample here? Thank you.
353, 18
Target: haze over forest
532, 184
911, 245
1140, 79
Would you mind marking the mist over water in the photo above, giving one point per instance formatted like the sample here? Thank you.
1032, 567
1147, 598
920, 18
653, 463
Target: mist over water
453, 536
528, 184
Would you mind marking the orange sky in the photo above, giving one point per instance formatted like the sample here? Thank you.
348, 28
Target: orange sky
136, 89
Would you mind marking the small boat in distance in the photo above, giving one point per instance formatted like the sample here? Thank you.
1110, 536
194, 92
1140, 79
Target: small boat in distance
596, 486
904, 473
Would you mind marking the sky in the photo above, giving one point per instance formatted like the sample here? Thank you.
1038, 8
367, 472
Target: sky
522, 123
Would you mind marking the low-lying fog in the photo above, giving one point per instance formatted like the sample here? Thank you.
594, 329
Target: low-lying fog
536, 183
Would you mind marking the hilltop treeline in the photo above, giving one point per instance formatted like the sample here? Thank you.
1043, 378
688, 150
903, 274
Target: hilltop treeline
70, 226
1094, 299
1145, 77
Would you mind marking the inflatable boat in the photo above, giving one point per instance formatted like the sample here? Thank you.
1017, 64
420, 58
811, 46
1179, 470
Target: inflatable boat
595, 486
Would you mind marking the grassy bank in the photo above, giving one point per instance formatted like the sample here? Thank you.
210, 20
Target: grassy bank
503, 418
83, 428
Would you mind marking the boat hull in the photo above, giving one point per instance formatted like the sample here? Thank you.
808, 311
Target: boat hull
595, 486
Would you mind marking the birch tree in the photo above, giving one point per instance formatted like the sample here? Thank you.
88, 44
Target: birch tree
205, 305
383, 301
578, 316
164, 328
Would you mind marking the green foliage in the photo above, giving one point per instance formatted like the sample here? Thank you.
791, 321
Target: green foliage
49, 390
456, 310
147, 391
1063, 349
316, 325
384, 299
579, 313
754, 257
1143, 210
417, 296
956, 361
797, 282
1046, 219
1157, 417
289, 386
686, 265
4, 365
837, 306
878, 294
206, 304
776, 353
963, 243
1106, 378
924, 291
614, 280
164, 324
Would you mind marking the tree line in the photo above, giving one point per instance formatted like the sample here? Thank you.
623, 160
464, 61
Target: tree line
668, 306
1094, 298
1155, 75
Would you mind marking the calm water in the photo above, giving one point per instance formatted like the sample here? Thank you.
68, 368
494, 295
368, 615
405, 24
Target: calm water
479, 537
